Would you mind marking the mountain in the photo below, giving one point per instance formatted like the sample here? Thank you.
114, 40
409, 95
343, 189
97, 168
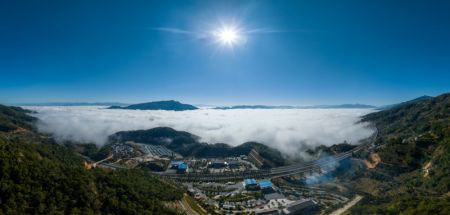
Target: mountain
254, 107
418, 99
344, 106
413, 156
74, 104
158, 105
188, 144
38, 176
294, 107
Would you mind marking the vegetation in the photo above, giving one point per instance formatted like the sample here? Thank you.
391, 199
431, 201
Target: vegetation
12, 118
404, 205
323, 150
422, 98
188, 144
38, 176
414, 147
194, 205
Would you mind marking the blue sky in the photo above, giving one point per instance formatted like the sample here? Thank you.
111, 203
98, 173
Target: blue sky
295, 52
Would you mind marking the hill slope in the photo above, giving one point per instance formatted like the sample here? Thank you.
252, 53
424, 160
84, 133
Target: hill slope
38, 176
418, 99
414, 146
159, 105
12, 118
188, 144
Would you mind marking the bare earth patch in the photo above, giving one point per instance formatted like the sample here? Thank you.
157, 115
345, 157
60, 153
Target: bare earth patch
374, 160
426, 168
347, 206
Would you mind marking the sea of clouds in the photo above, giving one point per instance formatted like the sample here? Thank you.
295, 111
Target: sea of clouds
288, 130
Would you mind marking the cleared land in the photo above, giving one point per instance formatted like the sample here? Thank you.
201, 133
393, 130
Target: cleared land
347, 206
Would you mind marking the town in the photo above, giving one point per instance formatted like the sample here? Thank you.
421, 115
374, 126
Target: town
240, 194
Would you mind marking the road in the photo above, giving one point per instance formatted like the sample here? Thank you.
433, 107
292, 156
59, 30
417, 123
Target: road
298, 168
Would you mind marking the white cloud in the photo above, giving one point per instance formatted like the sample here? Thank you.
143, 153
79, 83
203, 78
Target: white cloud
285, 129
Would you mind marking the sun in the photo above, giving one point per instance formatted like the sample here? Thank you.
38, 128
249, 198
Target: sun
228, 35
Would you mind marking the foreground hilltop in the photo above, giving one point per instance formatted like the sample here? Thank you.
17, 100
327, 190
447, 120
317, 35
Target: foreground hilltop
158, 105
412, 160
38, 176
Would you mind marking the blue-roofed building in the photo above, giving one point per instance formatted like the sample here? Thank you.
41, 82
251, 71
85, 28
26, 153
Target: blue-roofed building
182, 168
265, 184
175, 164
251, 184
266, 187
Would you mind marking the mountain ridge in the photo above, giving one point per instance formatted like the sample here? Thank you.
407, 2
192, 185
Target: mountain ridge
341, 106
158, 105
418, 99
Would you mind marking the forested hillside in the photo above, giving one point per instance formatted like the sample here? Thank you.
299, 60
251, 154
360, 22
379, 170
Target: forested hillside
12, 118
413, 176
188, 144
38, 176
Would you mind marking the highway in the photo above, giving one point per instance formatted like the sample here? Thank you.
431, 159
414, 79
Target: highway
294, 169
299, 168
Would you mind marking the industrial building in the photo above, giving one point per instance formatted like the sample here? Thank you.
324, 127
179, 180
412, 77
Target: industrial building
268, 212
304, 206
182, 168
217, 164
266, 185
251, 184
175, 164
234, 164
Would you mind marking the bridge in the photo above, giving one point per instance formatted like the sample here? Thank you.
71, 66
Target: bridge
294, 169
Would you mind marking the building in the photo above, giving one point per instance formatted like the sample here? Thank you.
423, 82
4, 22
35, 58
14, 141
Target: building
234, 164
217, 164
268, 212
182, 168
255, 158
175, 164
304, 206
251, 184
266, 185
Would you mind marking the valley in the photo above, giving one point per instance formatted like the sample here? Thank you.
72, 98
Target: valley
255, 178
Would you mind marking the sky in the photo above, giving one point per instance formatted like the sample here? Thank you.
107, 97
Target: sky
287, 52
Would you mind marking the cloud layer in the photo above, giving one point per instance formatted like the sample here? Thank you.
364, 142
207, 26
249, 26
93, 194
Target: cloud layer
287, 130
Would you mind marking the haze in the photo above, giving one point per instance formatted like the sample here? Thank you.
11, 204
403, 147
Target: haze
289, 130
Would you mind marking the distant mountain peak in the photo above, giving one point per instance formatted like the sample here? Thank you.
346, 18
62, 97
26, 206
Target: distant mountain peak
342, 106
158, 105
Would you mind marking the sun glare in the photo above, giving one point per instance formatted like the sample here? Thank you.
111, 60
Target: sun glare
228, 35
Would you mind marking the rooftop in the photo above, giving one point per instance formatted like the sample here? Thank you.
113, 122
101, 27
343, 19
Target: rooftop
250, 181
183, 166
265, 184
176, 162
